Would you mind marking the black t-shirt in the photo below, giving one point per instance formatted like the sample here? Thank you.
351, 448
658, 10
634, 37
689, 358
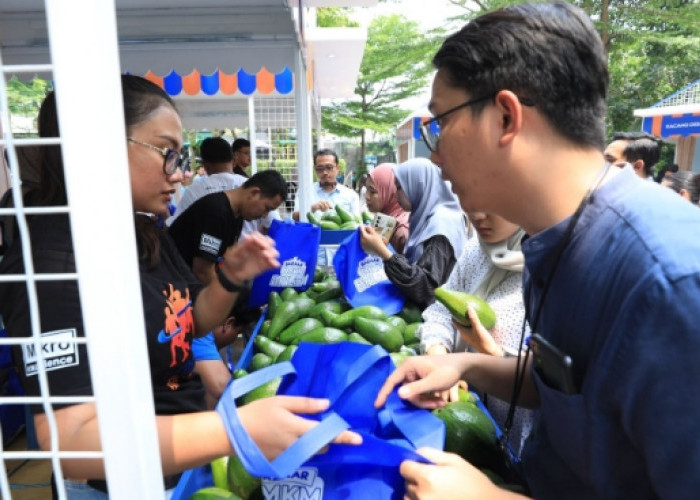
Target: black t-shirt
206, 229
168, 291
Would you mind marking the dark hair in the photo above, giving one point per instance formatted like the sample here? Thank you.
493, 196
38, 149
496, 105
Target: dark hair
326, 152
270, 182
547, 52
632, 136
239, 144
685, 180
215, 150
52, 186
141, 99
646, 150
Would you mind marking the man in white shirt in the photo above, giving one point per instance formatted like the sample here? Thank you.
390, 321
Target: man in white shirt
327, 192
217, 157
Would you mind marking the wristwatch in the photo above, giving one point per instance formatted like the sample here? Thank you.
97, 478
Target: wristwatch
229, 285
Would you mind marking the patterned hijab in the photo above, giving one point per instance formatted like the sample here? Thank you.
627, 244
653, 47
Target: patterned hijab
383, 179
434, 207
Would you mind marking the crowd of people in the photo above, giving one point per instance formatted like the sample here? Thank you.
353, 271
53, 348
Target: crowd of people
521, 203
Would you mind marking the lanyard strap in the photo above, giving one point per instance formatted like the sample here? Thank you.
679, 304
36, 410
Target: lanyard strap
563, 243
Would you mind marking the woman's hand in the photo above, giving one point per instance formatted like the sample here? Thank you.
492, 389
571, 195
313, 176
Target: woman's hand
478, 337
373, 243
450, 477
274, 423
424, 378
252, 255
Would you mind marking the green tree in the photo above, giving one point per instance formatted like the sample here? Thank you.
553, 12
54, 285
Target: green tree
334, 17
395, 66
653, 49
25, 98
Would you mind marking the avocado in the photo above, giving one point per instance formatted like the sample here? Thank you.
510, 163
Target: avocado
273, 302
332, 305
410, 334
297, 328
379, 332
268, 346
286, 354
328, 224
240, 481
218, 472
345, 216
469, 433
258, 361
213, 493
323, 335
398, 322
288, 293
287, 313
411, 313
357, 338
347, 318
457, 303
312, 218
331, 216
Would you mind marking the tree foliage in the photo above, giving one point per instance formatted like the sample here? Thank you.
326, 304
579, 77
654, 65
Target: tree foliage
653, 49
25, 98
334, 17
395, 66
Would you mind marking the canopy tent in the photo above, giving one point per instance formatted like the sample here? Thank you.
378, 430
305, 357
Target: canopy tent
215, 56
213, 49
677, 118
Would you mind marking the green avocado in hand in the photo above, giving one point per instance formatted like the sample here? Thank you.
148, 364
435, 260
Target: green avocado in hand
457, 303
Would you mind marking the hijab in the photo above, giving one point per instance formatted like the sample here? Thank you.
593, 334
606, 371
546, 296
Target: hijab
383, 179
434, 207
506, 259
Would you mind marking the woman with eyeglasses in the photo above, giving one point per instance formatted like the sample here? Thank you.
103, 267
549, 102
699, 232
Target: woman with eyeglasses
176, 308
437, 233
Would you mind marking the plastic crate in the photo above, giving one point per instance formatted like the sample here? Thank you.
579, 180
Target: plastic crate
336, 236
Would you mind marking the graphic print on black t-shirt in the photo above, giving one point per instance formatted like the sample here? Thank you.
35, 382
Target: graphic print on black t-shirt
178, 329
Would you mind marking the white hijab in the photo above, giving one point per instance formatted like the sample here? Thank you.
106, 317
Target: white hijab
506, 257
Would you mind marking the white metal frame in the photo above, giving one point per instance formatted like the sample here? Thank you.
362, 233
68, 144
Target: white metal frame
97, 179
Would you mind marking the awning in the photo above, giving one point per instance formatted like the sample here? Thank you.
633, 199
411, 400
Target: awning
677, 115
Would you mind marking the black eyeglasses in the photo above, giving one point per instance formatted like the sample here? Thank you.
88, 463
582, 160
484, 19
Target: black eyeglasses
324, 168
172, 160
431, 137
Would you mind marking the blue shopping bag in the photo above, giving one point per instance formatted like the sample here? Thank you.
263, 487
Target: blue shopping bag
349, 375
363, 278
297, 244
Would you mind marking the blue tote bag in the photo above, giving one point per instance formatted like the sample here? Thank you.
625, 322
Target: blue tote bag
297, 244
363, 278
349, 375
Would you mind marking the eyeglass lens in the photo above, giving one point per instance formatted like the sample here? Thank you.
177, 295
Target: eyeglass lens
324, 168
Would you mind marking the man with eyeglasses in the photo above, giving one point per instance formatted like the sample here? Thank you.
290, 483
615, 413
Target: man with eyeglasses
611, 279
327, 192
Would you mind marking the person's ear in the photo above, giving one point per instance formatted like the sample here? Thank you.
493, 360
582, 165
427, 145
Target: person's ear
510, 114
685, 194
638, 165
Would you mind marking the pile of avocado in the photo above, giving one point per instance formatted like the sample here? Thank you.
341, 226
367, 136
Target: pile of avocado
339, 218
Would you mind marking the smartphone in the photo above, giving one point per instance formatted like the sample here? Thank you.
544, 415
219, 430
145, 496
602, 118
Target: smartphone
553, 366
385, 225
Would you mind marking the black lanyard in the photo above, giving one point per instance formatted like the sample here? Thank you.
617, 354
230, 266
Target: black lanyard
521, 363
